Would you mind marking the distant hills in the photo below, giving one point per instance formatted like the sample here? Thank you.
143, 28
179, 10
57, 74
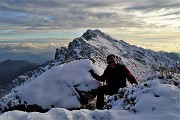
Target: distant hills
37, 58
11, 69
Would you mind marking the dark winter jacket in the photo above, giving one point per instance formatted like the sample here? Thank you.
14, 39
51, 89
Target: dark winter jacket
116, 77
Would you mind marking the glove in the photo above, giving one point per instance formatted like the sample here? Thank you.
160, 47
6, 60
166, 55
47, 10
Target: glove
91, 71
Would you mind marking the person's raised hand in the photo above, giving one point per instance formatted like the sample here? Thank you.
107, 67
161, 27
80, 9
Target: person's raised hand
91, 71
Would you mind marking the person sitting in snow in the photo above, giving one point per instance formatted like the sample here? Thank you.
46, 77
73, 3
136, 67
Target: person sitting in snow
115, 76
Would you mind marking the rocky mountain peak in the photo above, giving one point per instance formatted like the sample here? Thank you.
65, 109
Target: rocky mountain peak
91, 34
60, 52
97, 45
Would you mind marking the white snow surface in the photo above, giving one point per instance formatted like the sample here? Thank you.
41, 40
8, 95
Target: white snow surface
56, 85
155, 101
164, 107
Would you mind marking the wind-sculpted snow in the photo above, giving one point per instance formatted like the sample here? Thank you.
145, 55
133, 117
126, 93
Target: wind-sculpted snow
56, 86
151, 90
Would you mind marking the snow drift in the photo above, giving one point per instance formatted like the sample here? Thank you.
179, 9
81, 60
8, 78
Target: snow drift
57, 85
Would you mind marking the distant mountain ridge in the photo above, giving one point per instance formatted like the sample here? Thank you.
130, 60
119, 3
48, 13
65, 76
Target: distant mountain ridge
38, 58
11, 69
94, 44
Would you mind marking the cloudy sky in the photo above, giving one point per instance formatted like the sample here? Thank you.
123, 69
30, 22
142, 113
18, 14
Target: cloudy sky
43, 24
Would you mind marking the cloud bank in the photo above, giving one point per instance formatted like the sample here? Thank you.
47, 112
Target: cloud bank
68, 14
55, 18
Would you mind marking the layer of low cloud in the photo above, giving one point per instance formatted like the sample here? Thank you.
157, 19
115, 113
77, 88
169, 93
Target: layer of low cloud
35, 46
159, 46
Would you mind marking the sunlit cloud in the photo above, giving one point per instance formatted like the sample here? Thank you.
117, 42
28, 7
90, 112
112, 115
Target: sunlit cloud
66, 14
32, 45
157, 40
158, 46
135, 21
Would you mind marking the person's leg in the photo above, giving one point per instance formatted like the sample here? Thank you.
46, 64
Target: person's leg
100, 98
106, 89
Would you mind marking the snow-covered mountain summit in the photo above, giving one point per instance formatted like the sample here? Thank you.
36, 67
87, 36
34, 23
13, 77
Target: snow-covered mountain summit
94, 44
97, 45
57, 79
